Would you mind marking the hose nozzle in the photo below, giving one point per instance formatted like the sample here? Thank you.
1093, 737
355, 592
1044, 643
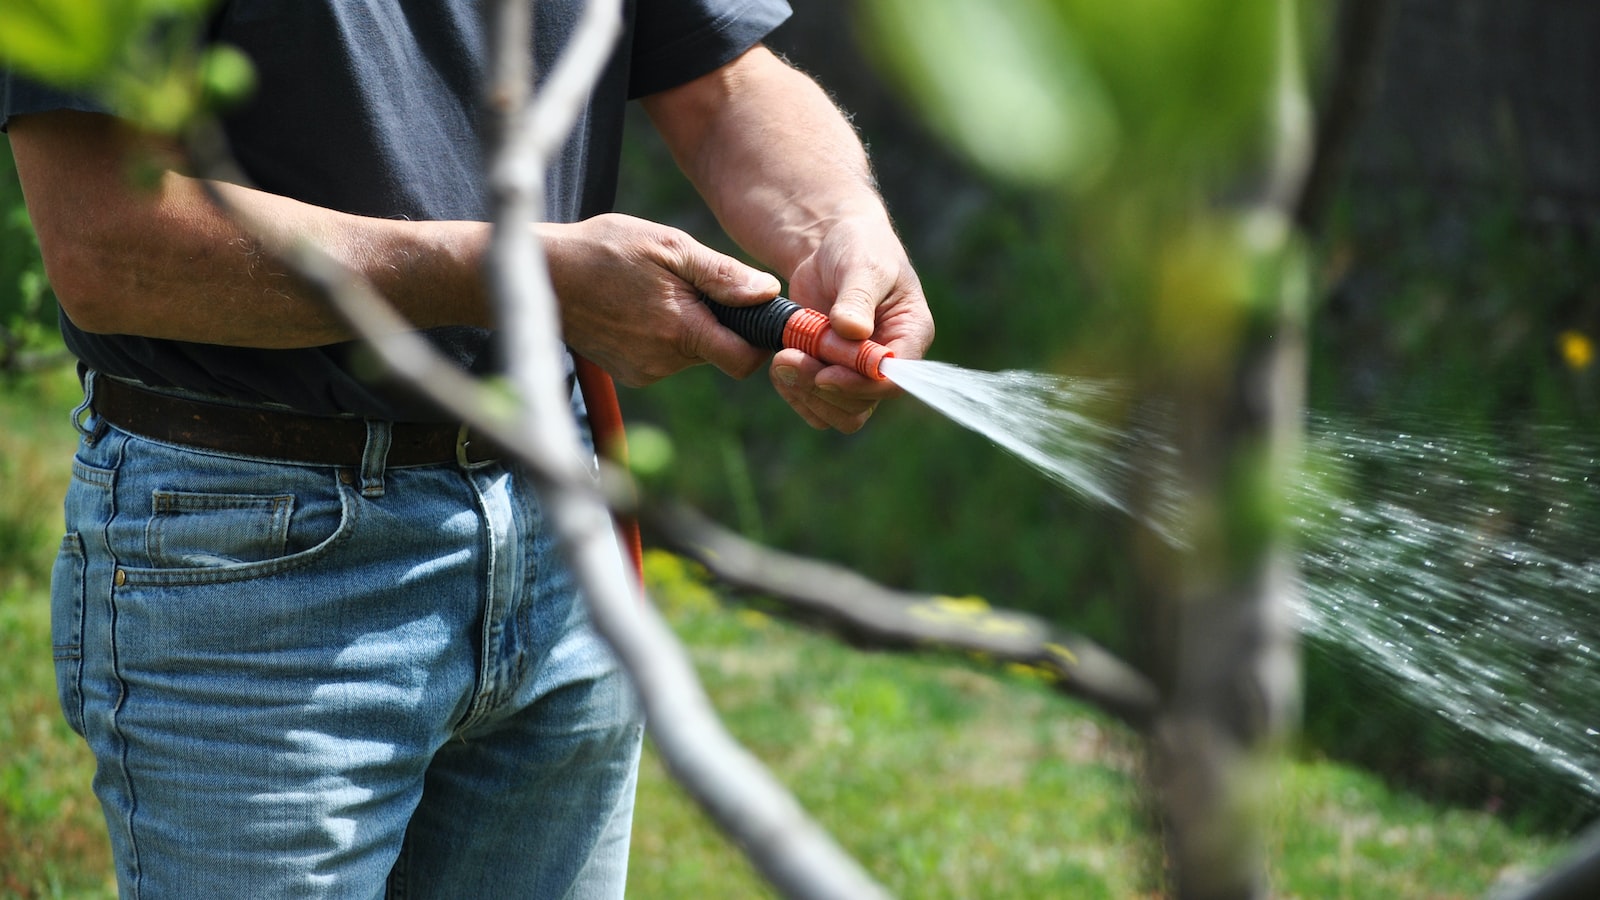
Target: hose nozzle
781, 323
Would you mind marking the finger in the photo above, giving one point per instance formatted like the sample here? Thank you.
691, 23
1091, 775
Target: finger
796, 373
725, 279
854, 312
801, 381
846, 418
722, 348
845, 382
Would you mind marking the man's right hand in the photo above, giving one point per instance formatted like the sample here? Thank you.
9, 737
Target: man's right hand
630, 298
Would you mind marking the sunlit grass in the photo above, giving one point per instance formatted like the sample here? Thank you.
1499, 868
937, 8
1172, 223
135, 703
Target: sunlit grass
947, 780
52, 838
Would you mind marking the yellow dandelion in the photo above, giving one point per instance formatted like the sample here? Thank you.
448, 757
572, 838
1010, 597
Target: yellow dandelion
1576, 349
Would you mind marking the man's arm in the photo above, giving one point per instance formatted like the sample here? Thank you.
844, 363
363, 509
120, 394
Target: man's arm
150, 255
788, 179
132, 246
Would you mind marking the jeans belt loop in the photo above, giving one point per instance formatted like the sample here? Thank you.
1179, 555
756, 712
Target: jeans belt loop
380, 435
83, 418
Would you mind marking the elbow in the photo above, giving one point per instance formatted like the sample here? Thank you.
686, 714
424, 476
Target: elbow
77, 279
80, 275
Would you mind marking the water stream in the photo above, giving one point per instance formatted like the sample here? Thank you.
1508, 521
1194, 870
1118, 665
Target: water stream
1454, 565
1078, 432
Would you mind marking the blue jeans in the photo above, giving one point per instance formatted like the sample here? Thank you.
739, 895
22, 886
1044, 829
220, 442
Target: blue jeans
308, 681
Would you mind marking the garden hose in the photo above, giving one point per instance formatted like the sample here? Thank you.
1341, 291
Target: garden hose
781, 323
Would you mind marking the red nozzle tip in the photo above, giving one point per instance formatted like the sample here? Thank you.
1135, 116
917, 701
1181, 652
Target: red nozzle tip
869, 361
811, 333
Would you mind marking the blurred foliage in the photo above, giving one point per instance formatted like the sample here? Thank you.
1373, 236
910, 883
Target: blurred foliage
143, 58
27, 306
1152, 96
1141, 117
1458, 303
1428, 306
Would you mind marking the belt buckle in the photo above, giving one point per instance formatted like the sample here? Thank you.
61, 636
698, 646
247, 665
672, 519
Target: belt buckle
462, 443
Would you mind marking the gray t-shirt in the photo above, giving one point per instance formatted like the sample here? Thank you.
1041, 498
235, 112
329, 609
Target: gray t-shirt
374, 108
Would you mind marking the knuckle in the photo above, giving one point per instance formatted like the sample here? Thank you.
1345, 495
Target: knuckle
725, 269
675, 242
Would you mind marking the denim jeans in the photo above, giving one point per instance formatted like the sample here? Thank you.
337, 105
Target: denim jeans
312, 681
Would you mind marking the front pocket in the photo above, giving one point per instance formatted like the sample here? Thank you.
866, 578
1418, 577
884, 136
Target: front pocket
194, 530
66, 628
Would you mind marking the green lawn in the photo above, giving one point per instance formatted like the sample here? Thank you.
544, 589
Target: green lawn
52, 840
946, 779
951, 781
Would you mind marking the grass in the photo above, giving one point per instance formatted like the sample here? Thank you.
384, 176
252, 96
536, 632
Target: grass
950, 781
52, 838
946, 779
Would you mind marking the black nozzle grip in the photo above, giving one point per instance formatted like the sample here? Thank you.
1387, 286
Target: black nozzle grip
761, 325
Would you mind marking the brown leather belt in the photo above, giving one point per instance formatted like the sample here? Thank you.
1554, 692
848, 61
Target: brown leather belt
278, 434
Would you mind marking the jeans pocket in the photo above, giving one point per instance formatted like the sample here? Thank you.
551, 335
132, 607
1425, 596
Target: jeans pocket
197, 530
66, 627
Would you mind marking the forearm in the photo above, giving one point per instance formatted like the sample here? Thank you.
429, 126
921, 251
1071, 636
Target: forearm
774, 158
192, 272
156, 257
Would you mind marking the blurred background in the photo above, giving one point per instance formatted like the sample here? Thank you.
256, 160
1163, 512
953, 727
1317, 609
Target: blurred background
1454, 307
1455, 295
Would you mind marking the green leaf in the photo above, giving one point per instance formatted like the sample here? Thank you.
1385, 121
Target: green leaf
226, 76
1188, 79
1004, 82
66, 42
141, 57
650, 450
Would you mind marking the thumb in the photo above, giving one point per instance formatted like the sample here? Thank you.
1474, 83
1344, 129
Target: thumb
854, 313
727, 280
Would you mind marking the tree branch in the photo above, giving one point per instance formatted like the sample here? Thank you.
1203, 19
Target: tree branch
794, 853
868, 613
1363, 29
538, 430
1575, 877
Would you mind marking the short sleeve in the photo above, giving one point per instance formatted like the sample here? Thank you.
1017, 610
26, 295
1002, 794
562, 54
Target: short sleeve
20, 95
677, 41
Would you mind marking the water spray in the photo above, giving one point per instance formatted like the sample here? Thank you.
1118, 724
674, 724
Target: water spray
1470, 621
782, 323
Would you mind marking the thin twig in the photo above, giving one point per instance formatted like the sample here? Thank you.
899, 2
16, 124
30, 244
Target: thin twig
1574, 877
793, 852
871, 614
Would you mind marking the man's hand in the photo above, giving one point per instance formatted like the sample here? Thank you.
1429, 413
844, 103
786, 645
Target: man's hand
630, 298
859, 275
789, 180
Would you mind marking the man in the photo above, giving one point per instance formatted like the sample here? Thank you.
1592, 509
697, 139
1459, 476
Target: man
320, 645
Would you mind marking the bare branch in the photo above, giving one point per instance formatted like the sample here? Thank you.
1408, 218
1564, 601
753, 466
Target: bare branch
796, 855
1353, 83
876, 616
563, 92
1575, 877
1234, 681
